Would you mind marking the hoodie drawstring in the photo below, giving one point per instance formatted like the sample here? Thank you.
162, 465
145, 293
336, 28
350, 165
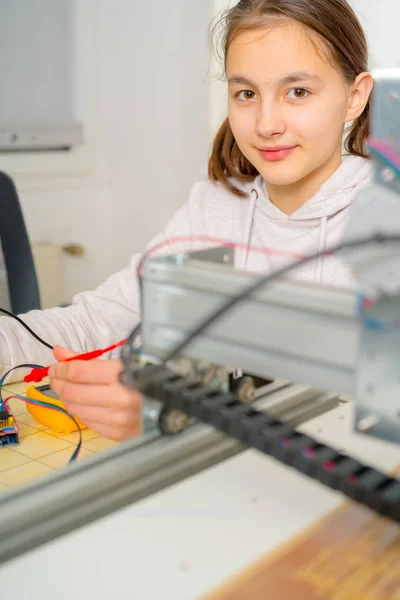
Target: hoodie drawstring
319, 264
237, 373
249, 227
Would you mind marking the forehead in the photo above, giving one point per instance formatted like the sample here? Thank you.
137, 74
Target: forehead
272, 52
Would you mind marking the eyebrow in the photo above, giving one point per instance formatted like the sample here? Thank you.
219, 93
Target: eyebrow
292, 78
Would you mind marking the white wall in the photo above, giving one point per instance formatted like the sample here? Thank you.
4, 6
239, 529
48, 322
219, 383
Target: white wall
218, 96
156, 86
380, 19
144, 98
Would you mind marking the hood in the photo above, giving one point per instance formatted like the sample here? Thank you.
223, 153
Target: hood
334, 195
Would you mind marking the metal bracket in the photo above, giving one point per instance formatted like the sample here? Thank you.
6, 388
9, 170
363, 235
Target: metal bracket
378, 374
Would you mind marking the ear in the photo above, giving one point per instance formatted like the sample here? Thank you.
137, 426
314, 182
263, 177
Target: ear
360, 92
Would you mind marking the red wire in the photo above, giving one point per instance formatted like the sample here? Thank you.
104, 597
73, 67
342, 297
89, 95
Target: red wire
37, 375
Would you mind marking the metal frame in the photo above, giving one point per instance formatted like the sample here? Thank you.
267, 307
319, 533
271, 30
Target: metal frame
377, 408
294, 331
82, 493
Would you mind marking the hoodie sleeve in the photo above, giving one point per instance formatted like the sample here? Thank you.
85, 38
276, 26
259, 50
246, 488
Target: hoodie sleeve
96, 318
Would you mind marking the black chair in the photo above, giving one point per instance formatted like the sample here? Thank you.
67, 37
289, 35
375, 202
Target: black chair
21, 274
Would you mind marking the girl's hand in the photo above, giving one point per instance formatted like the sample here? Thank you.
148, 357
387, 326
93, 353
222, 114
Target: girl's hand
92, 392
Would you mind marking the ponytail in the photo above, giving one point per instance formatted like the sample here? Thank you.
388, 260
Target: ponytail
358, 136
227, 161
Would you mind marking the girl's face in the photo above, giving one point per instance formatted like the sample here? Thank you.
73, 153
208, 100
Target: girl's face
288, 104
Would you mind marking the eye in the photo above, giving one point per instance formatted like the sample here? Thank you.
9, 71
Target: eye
298, 93
245, 95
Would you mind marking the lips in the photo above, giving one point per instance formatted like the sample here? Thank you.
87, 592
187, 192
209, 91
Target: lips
276, 153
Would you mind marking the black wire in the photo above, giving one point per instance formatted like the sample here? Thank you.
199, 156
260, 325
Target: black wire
126, 348
24, 366
21, 322
266, 279
43, 404
51, 406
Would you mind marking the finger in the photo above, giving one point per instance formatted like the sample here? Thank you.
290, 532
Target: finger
61, 353
116, 433
93, 371
113, 396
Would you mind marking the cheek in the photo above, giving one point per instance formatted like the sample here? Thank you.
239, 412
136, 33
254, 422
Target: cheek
241, 122
319, 123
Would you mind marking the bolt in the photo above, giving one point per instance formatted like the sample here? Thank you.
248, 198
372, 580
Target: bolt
177, 421
247, 390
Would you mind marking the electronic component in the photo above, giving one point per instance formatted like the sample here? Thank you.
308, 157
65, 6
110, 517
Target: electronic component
8, 427
45, 406
3, 418
43, 403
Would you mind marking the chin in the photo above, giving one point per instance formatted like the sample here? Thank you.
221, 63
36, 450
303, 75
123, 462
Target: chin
280, 174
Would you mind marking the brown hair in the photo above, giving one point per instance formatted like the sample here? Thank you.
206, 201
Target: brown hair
336, 23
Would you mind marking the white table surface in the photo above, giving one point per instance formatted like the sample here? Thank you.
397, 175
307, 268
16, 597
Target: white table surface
184, 541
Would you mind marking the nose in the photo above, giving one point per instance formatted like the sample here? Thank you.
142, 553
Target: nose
270, 119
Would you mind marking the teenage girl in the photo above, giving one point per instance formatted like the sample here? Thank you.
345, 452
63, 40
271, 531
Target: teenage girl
285, 167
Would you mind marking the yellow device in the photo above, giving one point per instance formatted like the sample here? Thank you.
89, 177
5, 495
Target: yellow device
52, 419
